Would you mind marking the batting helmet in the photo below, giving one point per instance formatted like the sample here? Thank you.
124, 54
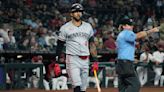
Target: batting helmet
77, 7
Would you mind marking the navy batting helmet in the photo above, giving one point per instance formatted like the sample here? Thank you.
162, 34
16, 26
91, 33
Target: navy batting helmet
77, 7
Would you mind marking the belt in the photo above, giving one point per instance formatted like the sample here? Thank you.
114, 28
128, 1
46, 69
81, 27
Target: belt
124, 60
84, 57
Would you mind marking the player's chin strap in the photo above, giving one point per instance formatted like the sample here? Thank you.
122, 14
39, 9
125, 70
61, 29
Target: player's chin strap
59, 48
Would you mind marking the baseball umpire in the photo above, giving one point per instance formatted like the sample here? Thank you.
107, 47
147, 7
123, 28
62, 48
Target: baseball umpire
77, 36
128, 80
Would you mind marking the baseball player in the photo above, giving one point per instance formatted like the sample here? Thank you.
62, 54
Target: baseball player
145, 58
60, 82
76, 35
53, 71
34, 79
158, 58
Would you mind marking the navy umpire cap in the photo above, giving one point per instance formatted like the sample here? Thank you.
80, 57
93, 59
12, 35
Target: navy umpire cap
77, 7
127, 21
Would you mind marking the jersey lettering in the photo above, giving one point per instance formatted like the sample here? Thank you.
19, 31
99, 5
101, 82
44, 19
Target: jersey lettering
78, 34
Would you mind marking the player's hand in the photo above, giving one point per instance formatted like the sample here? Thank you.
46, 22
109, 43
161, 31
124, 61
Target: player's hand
57, 69
95, 66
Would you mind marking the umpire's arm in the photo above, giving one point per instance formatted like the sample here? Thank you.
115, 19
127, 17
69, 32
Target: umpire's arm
143, 34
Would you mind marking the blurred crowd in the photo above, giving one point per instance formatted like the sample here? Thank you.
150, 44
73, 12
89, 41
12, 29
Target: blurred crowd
33, 25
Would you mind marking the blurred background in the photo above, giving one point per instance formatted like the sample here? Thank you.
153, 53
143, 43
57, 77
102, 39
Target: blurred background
28, 40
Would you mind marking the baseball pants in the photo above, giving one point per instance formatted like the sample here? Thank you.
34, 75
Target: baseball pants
77, 69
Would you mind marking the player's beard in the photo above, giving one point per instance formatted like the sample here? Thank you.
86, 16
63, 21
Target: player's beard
77, 19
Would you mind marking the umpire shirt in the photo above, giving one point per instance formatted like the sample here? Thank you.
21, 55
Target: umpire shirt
126, 45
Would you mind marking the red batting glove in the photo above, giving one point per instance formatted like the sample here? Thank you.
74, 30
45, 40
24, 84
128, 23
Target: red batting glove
95, 66
57, 70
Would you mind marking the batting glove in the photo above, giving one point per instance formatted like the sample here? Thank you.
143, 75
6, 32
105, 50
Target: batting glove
95, 66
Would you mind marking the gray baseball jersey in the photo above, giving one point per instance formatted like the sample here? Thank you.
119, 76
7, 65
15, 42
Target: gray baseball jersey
77, 41
76, 38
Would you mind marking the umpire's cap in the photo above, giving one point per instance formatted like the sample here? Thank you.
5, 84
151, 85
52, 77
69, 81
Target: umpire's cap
127, 21
77, 7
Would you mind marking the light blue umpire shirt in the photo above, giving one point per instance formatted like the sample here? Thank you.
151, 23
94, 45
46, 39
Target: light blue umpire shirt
126, 45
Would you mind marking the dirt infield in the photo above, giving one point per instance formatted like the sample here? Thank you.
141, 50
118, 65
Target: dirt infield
145, 89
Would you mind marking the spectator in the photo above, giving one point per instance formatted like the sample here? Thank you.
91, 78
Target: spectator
98, 40
55, 23
94, 21
1, 43
51, 40
65, 3
11, 37
41, 39
158, 58
24, 44
108, 28
27, 20
110, 43
34, 46
92, 3
4, 33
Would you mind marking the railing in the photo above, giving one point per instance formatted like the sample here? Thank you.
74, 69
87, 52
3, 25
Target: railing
25, 67
18, 69
46, 55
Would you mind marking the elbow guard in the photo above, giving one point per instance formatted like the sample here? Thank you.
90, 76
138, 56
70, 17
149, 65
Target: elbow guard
60, 45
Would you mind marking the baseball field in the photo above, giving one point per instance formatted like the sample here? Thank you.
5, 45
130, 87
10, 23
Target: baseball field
144, 89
